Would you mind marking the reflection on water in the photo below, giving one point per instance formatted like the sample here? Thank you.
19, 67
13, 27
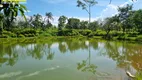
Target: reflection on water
100, 60
86, 64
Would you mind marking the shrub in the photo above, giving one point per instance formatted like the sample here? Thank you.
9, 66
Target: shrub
52, 32
122, 36
85, 32
75, 33
13, 35
91, 34
115, 33
134, 34
4, 36
21, 36
100, 33
45, 35
8, 33
29, 35
28, 31
139, 38
68, 32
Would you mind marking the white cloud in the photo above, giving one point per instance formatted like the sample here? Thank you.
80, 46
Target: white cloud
124, 4
112, 9
106, 2
109, 11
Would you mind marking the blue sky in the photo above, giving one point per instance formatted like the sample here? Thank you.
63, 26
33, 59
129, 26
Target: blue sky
68, 8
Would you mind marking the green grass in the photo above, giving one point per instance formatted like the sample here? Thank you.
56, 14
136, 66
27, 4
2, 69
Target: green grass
76, 33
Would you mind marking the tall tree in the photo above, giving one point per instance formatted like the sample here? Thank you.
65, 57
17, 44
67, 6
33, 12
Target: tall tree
1, 23
48, 19
108, 25
137, 19
62, 21
124, 13
37, 21
86, 5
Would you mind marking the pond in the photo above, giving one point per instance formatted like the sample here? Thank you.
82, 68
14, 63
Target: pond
68, 59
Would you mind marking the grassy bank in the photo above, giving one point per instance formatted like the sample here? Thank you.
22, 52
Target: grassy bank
79, 33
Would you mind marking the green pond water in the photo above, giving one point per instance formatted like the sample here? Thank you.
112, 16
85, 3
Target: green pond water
68, 59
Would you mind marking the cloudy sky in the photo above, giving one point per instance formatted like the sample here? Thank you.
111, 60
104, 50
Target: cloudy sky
68, 8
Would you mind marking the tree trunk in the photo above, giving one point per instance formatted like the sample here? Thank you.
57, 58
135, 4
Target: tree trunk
1, 27
89, 14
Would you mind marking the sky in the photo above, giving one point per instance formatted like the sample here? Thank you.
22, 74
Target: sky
68, 8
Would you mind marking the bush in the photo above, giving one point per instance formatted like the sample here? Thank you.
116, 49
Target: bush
75, 33
134, 34
29, 35
20, 36
85, 32
100, 33
28, 31
115, 33
130, 38
91, 34
4, 36
139, 38
45, 35
122, 36
68, 32
8, 33
13, 35
52, 32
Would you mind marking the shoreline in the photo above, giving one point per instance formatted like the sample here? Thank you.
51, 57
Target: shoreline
46, 39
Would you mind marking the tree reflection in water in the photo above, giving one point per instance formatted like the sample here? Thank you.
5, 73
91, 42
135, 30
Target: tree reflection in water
8, 54
86, 65
38, 51
128, 56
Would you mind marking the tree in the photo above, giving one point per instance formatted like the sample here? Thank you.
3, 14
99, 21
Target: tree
37, 21
48, 19
93, 25
124, 13
11, 10
137, 19
83, 24
62, 21
73, 23
25, 24
1, 23
108, 25
86, 5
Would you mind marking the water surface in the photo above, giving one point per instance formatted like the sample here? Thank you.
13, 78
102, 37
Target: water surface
68, 59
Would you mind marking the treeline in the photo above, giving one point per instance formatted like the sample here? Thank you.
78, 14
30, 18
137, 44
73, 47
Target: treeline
40, 26
124, 25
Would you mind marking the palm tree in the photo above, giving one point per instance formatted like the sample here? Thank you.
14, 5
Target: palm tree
48, 17
11, 10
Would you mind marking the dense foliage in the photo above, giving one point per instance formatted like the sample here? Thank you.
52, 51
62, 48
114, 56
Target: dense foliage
126, 25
